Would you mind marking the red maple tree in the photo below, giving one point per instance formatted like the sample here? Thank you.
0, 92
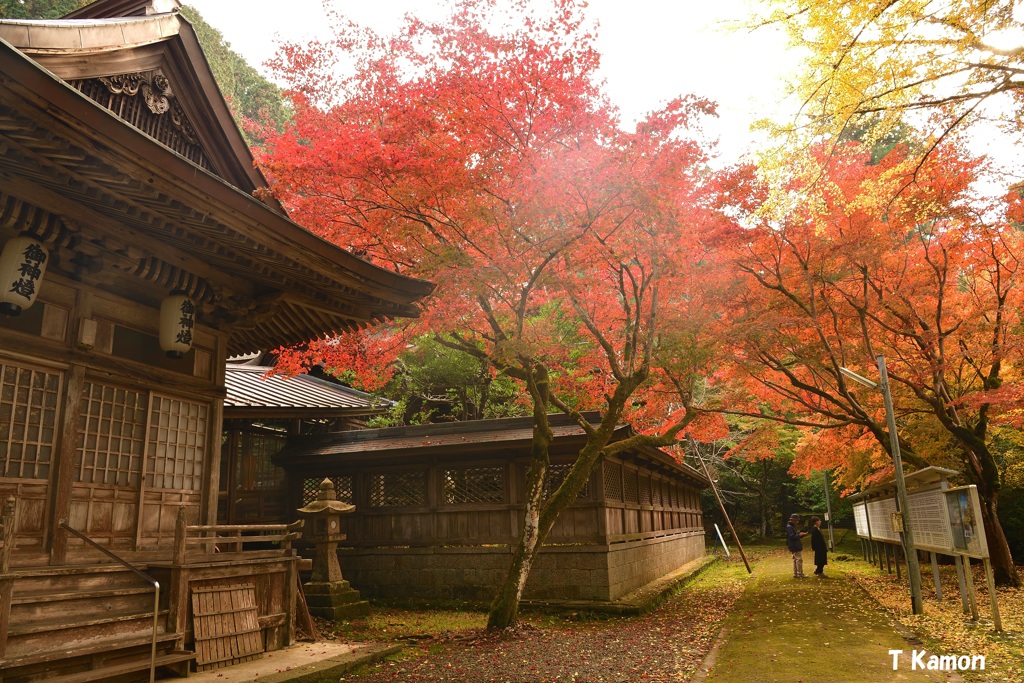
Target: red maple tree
479, 153
893, 258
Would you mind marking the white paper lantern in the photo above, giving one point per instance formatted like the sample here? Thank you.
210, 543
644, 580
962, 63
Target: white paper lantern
22, 266
177, 324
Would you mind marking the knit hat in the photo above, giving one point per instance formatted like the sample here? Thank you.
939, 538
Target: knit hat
794, 516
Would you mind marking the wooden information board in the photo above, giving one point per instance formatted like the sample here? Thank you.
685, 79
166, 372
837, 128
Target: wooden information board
946, 521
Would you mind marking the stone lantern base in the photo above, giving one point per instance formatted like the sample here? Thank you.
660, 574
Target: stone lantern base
335, 600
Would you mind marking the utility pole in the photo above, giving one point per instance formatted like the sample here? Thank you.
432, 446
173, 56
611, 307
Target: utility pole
828, 510
906, 532
721, 506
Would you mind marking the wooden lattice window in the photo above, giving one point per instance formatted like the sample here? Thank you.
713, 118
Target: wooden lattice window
398, 489
645, 491
177, 444
111, 435
556, 475
630, 486
612, 481
28, 418
255, 469
342, 489
474, 485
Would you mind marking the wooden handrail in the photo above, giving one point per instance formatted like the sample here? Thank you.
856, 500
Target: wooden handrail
230, 534
294, 526
146, 577
6, 578
8, 535
200, 540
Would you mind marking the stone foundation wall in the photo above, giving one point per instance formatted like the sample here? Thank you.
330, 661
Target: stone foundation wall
472, 573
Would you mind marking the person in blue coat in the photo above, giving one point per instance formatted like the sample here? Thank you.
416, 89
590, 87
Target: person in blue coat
795, 545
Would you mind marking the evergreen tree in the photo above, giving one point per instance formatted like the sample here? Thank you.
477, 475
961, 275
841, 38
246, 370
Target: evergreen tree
38, 9
252, 98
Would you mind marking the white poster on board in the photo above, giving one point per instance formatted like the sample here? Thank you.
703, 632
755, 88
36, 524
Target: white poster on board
860, 520
880, 517
930, 521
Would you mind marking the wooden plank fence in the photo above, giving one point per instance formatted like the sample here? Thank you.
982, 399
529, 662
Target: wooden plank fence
226, 624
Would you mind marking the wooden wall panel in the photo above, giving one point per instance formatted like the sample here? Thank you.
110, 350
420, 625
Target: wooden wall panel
160, 513
654, 511
104, 513
31, 497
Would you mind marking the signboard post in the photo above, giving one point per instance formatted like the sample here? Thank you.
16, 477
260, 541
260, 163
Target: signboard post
828, 513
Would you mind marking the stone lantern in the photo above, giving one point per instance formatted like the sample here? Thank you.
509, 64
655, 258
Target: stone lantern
328, 595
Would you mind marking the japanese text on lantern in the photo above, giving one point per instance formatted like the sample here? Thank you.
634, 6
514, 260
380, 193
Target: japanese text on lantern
30, 270
187, 322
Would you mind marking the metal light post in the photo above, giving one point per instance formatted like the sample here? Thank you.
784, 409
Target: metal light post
906, 533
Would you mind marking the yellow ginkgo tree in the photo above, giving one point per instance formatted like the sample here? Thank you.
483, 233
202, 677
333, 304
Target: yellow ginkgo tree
951, 60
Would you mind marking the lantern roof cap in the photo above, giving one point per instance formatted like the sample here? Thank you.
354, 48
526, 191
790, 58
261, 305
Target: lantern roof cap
326, 502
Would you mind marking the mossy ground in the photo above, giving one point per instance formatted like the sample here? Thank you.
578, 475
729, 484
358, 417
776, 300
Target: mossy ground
814, 630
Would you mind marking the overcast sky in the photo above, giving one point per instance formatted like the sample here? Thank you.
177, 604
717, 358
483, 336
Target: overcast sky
652, 50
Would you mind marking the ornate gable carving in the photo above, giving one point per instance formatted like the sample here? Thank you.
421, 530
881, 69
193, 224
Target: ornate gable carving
146, 101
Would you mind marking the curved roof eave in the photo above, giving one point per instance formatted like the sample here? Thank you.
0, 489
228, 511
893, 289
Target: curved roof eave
112, 164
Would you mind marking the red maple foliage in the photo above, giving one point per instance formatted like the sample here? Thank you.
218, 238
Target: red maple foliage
479, 153
892, 259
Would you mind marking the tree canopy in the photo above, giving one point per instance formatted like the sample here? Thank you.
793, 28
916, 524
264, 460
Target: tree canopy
896, 258
949, 62
480, 153
39, 9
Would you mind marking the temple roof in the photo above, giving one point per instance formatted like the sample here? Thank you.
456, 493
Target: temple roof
79, 51
484, 439
126, 212
251, 392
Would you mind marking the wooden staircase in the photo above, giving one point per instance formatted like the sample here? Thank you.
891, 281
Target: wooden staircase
89, 623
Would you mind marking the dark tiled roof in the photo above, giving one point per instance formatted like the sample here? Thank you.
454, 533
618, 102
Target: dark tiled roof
249, 386
476, 438
399, 441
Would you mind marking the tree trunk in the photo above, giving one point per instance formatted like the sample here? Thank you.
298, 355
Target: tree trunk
505, 607
540, 515
764, 517
982, 471
998, 547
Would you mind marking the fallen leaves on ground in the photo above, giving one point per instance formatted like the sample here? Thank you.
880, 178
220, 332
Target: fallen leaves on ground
666, 645
945, 629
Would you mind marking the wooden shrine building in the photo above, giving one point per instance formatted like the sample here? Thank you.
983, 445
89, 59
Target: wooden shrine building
439, 507
261, 411
131, 230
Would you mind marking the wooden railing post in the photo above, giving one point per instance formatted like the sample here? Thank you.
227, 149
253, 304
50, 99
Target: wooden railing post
291, 583
6, 577
177, 598
180, 531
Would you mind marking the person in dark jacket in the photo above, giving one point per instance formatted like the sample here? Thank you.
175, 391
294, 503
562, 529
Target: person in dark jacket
795, 546
819, 547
